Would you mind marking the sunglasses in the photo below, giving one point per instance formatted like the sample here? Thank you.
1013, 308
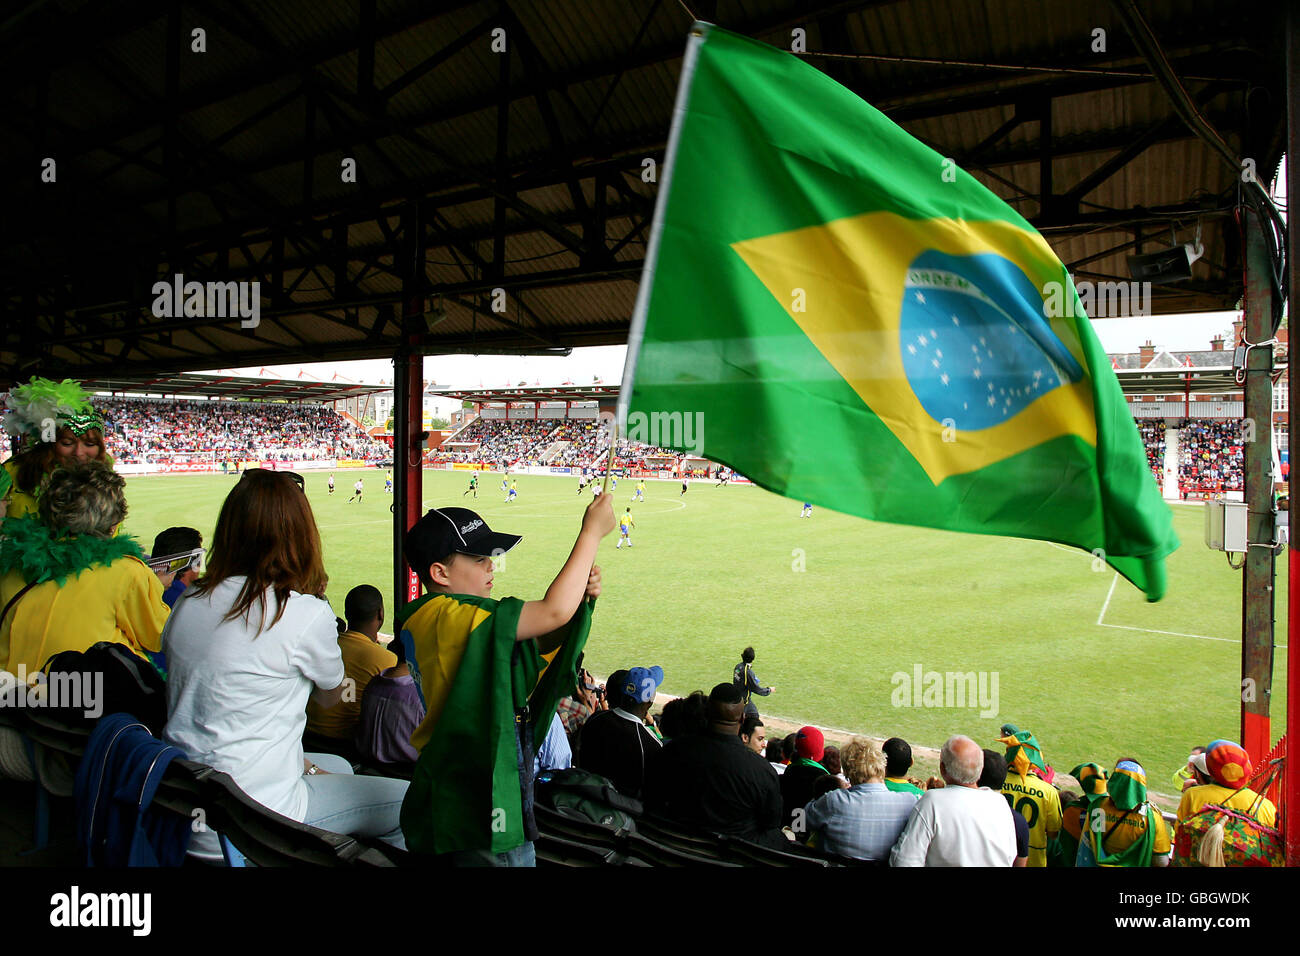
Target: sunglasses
298, 479
176, 563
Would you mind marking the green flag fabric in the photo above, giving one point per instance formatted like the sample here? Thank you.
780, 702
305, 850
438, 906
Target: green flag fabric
839, 313
475, 677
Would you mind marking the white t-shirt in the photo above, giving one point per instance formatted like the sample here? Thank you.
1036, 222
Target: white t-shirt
357, 486
957, 826
237, 698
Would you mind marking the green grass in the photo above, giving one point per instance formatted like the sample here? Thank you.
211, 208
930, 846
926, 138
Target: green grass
715, 571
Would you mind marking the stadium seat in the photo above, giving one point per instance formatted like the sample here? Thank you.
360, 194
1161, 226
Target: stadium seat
554, 850
665, 833
50, 732
651, 852
52, 749
266, 838
752, 854
617, 846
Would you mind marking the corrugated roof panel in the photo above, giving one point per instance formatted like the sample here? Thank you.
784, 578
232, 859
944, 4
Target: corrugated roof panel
588, 59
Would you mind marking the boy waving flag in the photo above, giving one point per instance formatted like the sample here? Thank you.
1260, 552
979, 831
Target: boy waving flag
864, 326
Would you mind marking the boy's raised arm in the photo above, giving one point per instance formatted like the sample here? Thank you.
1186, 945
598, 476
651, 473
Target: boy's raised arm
541, 619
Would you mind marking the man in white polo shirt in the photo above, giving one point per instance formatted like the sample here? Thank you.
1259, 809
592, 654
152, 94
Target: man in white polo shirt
959, 824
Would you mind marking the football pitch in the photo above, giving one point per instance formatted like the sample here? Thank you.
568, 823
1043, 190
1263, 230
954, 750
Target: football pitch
836, 607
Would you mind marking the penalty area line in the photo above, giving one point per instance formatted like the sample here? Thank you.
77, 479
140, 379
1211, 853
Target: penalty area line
1152, 630
1200, 637
1109, 595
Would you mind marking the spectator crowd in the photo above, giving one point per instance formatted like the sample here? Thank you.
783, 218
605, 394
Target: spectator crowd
141, 429
702, 765
1210, 457
512, 442
1153, 440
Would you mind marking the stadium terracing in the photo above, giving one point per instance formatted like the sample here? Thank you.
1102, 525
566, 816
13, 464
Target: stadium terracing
477, 178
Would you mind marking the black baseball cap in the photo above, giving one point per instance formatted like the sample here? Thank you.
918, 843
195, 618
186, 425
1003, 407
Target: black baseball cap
443, 532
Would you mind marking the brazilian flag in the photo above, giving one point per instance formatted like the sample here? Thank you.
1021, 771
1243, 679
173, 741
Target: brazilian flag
839, 313
475, 678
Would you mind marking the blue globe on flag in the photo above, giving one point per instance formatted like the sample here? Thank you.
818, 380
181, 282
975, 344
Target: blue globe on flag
975, 346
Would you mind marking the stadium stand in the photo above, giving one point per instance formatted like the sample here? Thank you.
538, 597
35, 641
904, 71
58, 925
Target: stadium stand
498, 440
1210, 454
584, 443
1153, 439
571, 443
156, 430
1210, 457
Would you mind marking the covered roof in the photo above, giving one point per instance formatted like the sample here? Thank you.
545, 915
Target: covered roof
530, 393
499, 145
1172, 359
1168, 381
231, 387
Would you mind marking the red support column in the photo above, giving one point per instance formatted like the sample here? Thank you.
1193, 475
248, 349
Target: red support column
408, 405
1291, 779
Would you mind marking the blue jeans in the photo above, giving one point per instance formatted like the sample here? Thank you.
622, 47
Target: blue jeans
363, 805
520, 856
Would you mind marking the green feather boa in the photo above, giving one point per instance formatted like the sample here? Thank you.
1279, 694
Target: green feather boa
28, 547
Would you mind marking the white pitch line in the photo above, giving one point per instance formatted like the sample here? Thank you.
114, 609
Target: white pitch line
1152, 630
1202, 637
1113, 582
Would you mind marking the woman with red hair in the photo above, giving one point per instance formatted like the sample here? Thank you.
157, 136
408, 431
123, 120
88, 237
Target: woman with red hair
247, 646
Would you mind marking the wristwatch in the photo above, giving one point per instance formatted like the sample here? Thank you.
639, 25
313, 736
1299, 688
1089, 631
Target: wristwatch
313, 769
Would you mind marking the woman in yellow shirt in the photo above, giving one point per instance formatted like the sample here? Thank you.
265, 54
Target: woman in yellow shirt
56, 426
68, 581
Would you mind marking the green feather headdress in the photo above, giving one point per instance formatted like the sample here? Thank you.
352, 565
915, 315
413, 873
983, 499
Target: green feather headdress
32, 549
34, 412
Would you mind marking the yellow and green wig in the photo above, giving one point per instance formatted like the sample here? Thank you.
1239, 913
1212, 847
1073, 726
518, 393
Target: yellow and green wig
36, 411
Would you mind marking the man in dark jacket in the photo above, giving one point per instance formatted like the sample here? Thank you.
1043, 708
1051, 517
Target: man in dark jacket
712, 782
616, 743
744, 677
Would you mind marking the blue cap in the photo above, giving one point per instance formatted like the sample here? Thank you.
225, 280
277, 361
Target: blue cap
641, 684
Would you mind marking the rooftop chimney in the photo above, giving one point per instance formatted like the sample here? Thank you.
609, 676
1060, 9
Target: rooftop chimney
1146, 353
1216, 343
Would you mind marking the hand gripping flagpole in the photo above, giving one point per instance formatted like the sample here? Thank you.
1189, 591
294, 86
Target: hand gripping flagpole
609, 462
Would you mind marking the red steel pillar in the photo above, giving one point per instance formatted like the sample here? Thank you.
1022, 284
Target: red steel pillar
1291, 780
